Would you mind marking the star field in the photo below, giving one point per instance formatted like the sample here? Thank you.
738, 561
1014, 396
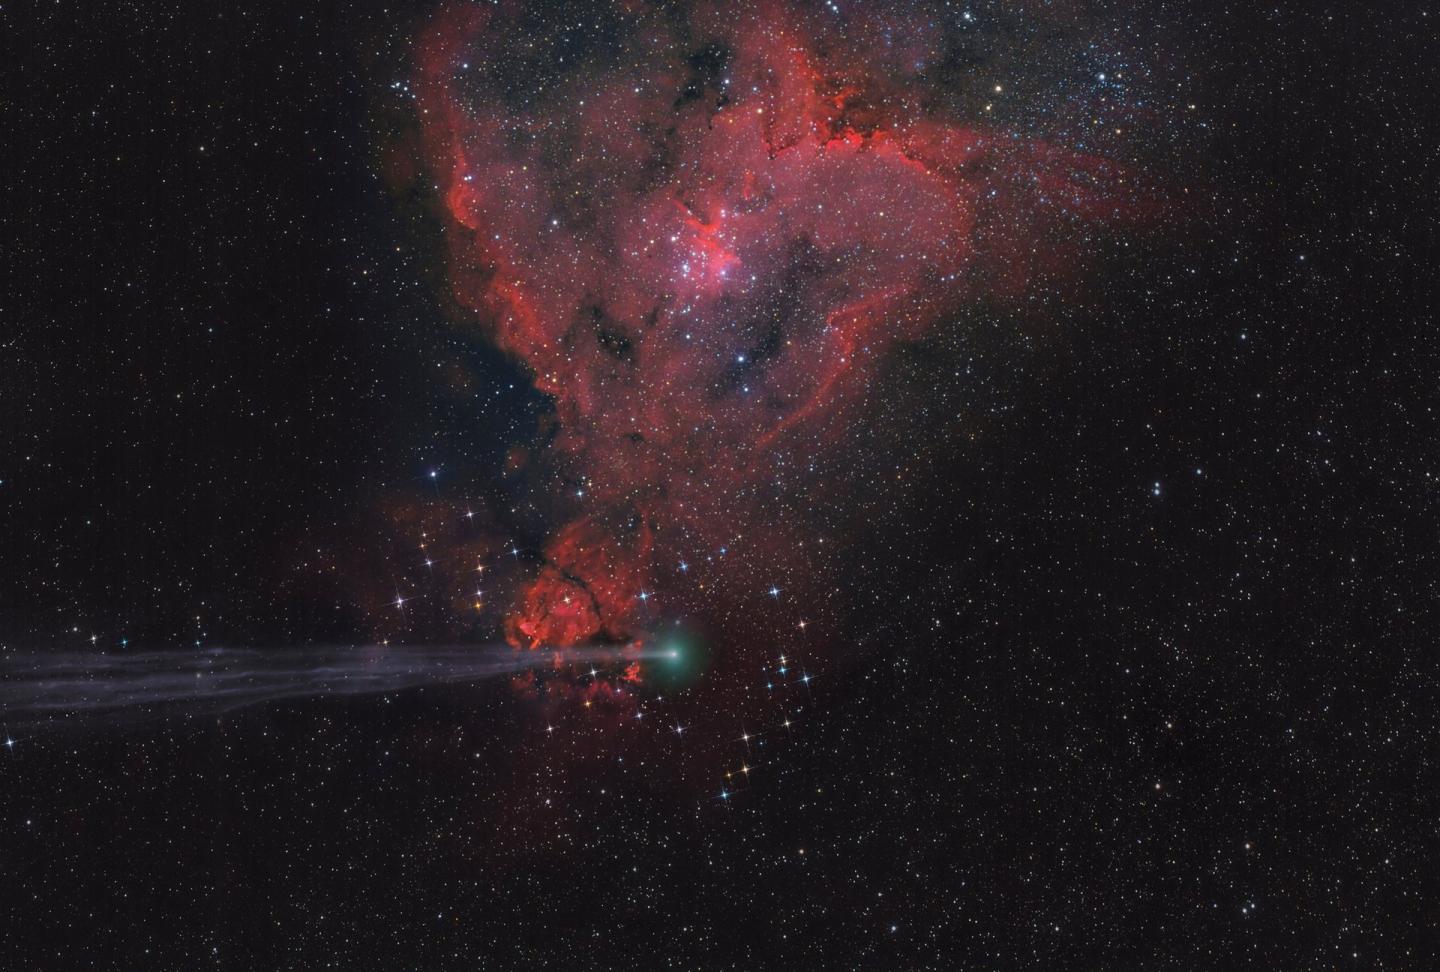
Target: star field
995, 443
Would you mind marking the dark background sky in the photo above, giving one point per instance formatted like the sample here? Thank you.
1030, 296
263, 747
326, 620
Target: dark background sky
1088, 726
226, 335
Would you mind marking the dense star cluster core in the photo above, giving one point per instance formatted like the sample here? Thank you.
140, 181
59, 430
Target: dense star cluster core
702, 239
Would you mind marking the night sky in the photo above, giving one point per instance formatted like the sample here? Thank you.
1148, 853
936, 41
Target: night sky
790, 484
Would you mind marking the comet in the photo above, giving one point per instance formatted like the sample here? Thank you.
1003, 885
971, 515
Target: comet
96, 689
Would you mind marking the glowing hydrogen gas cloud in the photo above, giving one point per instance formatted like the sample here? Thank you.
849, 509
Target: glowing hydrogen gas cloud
701, 232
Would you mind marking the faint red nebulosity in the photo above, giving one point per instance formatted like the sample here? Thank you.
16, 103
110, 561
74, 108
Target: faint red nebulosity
585, 589
705, 269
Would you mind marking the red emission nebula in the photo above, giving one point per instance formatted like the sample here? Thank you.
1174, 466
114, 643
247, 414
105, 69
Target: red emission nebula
701, 236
